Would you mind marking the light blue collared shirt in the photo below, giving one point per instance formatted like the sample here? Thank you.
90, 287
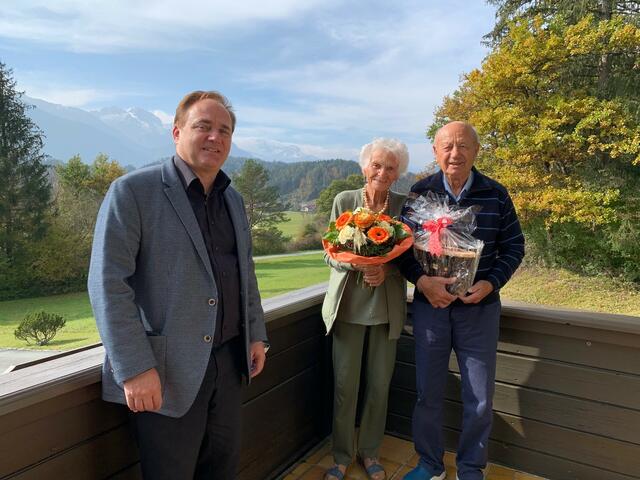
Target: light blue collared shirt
464, 190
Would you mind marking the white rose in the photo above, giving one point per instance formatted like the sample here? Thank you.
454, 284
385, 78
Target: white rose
346, 234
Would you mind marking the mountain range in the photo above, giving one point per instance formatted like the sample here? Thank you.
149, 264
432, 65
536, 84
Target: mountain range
133, 136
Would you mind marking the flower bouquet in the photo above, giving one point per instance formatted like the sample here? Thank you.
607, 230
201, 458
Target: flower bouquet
362, 237
443, 243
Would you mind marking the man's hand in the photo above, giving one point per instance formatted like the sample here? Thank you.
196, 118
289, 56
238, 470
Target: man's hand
434, 289
144, 392
478, 291
258, 356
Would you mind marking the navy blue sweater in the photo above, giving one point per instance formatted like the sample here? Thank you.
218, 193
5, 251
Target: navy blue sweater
497, 226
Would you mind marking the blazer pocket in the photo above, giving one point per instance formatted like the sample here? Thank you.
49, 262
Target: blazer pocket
159, 347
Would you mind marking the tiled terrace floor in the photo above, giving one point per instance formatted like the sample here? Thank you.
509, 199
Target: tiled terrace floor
398, 457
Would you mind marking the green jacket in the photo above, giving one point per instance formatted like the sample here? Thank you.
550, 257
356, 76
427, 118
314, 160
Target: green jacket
395, 286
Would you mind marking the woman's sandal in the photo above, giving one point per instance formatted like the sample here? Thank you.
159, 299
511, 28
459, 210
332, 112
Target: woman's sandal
334, 473
374, 469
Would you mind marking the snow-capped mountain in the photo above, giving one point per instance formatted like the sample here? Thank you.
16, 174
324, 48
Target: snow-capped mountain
135, 123
272, 150
131, 136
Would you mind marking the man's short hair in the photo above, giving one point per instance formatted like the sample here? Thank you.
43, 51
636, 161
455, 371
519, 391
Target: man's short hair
191, 98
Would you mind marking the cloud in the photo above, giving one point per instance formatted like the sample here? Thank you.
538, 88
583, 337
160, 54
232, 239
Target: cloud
420, 155
326, 75
70, 97
165, 118
320, 151
388, 75
122, 25
325, 152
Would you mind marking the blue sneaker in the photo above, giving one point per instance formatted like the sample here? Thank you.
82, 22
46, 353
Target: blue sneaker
420, 473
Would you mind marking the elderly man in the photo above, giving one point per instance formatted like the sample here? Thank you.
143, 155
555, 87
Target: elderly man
468, 324
175, 297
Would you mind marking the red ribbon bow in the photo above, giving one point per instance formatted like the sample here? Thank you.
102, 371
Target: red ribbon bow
435, 226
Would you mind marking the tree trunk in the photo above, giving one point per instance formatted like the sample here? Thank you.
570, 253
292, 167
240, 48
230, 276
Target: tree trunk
604, 67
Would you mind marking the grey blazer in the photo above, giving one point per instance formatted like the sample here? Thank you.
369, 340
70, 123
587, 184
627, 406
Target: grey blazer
152, 288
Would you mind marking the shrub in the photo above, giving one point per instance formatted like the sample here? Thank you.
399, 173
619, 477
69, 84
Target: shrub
310, 239
269, 241
39, 327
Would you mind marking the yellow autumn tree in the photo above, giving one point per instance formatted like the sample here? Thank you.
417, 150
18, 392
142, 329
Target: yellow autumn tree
569, 155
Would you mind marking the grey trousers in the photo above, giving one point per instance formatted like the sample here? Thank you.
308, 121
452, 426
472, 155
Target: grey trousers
348, 345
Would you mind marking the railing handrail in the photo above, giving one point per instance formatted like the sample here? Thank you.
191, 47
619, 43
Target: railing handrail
56, 376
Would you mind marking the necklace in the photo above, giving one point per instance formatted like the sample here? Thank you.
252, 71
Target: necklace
366, 202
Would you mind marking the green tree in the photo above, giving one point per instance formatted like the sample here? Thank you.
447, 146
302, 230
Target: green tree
568, 154
24, 190
325, 200
61, 259
571, 11
262, 203
613, 70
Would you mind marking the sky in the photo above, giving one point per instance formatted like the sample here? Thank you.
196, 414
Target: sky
326, 75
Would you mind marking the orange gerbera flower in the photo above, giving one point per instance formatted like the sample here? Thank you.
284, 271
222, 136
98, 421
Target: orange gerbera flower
384, 218
378, 235
343, 219
364, 219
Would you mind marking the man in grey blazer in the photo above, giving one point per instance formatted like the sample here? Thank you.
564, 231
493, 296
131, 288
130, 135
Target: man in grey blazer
176, 301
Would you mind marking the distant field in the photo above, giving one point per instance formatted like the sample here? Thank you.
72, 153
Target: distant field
280, 275
275, 276
294, 226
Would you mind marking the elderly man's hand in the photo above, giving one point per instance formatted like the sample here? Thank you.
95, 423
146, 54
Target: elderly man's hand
258, 357
144, 392
434, 288
478, 291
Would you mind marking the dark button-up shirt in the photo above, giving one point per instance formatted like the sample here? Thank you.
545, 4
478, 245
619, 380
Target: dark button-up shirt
219, 237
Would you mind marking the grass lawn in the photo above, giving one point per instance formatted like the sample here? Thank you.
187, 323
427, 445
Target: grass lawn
279, 275
79, 330
293, 228
275, 276
562, 288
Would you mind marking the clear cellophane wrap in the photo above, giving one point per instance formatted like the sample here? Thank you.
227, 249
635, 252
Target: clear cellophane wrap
443, 243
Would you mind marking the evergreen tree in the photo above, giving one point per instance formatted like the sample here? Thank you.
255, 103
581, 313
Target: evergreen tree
262, 202
25, 190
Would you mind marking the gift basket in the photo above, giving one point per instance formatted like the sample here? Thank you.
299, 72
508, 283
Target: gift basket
443, 243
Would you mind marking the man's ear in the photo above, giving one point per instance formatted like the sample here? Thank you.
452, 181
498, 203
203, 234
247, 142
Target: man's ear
175, 132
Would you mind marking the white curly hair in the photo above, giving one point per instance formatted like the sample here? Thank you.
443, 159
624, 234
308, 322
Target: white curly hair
395, 147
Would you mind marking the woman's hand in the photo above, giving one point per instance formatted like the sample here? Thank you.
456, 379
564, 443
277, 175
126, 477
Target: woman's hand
374, 274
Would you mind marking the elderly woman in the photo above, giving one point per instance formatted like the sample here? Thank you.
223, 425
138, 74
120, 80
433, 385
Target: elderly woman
351, 309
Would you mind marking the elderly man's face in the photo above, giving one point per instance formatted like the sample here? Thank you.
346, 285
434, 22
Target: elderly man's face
455, 149
204, 139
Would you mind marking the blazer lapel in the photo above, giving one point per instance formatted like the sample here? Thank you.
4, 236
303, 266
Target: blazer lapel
176, 194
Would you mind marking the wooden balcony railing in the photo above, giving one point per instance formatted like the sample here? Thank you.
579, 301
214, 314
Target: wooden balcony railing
567, 402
